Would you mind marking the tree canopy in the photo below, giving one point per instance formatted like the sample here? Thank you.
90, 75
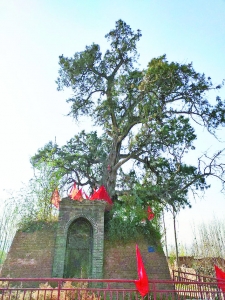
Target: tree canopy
146, 118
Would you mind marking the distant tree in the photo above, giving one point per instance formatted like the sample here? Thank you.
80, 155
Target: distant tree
9, 219
146, 118
2, 257
30, 206
209, 240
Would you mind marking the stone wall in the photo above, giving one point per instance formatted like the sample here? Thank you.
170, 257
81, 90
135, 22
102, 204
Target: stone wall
71, 210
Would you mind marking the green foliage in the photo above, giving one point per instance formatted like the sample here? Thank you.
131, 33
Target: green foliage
129, 222
32, 226
8, 225
172, 258
2, 256
146, 118
182, 251
30, 208
33, 202
84, 154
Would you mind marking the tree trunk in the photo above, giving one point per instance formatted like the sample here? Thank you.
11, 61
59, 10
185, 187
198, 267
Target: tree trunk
175, 237
110, 172
164, 225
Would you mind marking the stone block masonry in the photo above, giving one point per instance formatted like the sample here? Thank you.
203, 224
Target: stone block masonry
70, 211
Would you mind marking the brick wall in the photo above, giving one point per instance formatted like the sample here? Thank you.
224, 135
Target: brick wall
30, 255
120, 261
36, 254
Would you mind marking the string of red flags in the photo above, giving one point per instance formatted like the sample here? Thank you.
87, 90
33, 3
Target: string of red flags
150, 214
55, 199
220, 276
78, 196
142, 284
99, 194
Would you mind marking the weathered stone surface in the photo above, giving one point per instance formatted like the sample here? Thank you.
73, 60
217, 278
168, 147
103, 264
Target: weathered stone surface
70, 211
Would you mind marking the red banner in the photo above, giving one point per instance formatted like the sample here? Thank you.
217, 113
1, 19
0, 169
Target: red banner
78, 195
151, 215
101, 194
220, 276
55, 199
73, 191
142, 283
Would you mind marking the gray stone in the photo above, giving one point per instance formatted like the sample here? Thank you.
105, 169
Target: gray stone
70, 211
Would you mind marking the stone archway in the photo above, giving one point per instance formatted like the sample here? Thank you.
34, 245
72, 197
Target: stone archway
79, 248
91, 214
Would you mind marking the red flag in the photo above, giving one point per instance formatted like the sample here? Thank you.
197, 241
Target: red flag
142, 283
220, 276
73, 191
78, 196
101, 194
151, 215
55, 199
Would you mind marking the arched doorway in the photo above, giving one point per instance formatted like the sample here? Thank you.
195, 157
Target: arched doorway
78, 259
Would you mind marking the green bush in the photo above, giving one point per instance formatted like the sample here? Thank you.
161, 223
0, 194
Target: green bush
126, 223
31, 226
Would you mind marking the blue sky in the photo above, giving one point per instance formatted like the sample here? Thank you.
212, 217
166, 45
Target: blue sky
33, 33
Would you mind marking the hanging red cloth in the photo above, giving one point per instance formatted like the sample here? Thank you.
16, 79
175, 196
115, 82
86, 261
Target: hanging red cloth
151, 215
220, 276
78, 196
73, 191
101, 194
55, 199
142, 284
